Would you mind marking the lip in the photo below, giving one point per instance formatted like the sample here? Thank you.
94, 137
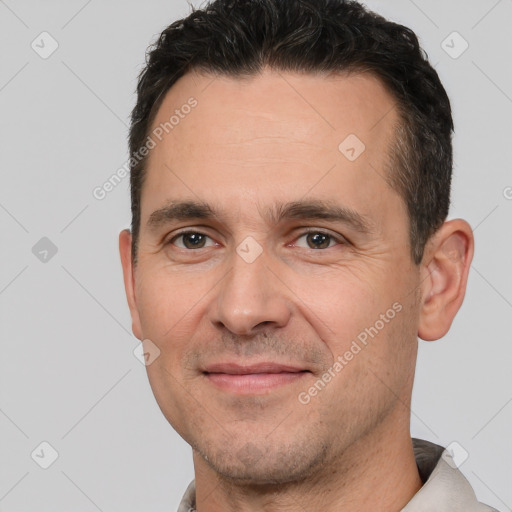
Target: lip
252, 379
262, 367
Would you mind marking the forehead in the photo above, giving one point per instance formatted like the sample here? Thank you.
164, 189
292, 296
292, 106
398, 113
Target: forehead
273, 135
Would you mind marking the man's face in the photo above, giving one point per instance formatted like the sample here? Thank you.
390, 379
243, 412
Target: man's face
253, 301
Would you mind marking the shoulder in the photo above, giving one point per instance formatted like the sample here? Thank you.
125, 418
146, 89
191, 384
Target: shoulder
445, 488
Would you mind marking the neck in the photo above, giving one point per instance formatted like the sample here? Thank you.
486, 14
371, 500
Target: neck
377, 472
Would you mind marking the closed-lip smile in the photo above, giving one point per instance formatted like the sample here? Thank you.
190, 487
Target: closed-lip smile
256, 378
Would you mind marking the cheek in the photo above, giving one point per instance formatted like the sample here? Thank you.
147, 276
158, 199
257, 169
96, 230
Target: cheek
373, 362
339, 305
359, 311
167, 301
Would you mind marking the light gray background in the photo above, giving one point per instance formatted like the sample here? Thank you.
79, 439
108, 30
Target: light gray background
68, 373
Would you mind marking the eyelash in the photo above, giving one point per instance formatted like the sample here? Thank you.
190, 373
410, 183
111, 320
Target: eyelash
338, 239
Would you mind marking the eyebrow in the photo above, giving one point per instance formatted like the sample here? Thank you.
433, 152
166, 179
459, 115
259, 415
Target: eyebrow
313, 209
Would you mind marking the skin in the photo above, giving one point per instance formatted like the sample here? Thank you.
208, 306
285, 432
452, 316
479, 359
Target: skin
248, 145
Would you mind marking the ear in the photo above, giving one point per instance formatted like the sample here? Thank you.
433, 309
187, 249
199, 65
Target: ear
125, 250
444, 273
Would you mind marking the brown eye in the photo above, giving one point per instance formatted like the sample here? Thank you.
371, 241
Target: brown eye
190, 240
318, 240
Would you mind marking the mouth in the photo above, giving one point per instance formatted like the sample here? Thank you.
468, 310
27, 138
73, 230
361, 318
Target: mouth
252, 379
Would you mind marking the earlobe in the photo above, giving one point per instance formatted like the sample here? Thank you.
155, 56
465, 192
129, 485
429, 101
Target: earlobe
444, 274
125, 251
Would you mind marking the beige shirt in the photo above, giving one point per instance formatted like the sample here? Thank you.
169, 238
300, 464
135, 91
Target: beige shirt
445, 489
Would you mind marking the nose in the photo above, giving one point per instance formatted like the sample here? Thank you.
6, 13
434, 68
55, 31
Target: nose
250, 297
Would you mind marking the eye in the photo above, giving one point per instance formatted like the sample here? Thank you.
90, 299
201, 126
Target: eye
191, 240
318, 240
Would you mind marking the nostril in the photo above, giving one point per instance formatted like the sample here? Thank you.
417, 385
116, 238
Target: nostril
262, 324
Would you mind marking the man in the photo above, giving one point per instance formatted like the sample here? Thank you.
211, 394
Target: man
290, 179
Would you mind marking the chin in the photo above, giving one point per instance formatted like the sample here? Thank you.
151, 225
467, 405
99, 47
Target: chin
258, 465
